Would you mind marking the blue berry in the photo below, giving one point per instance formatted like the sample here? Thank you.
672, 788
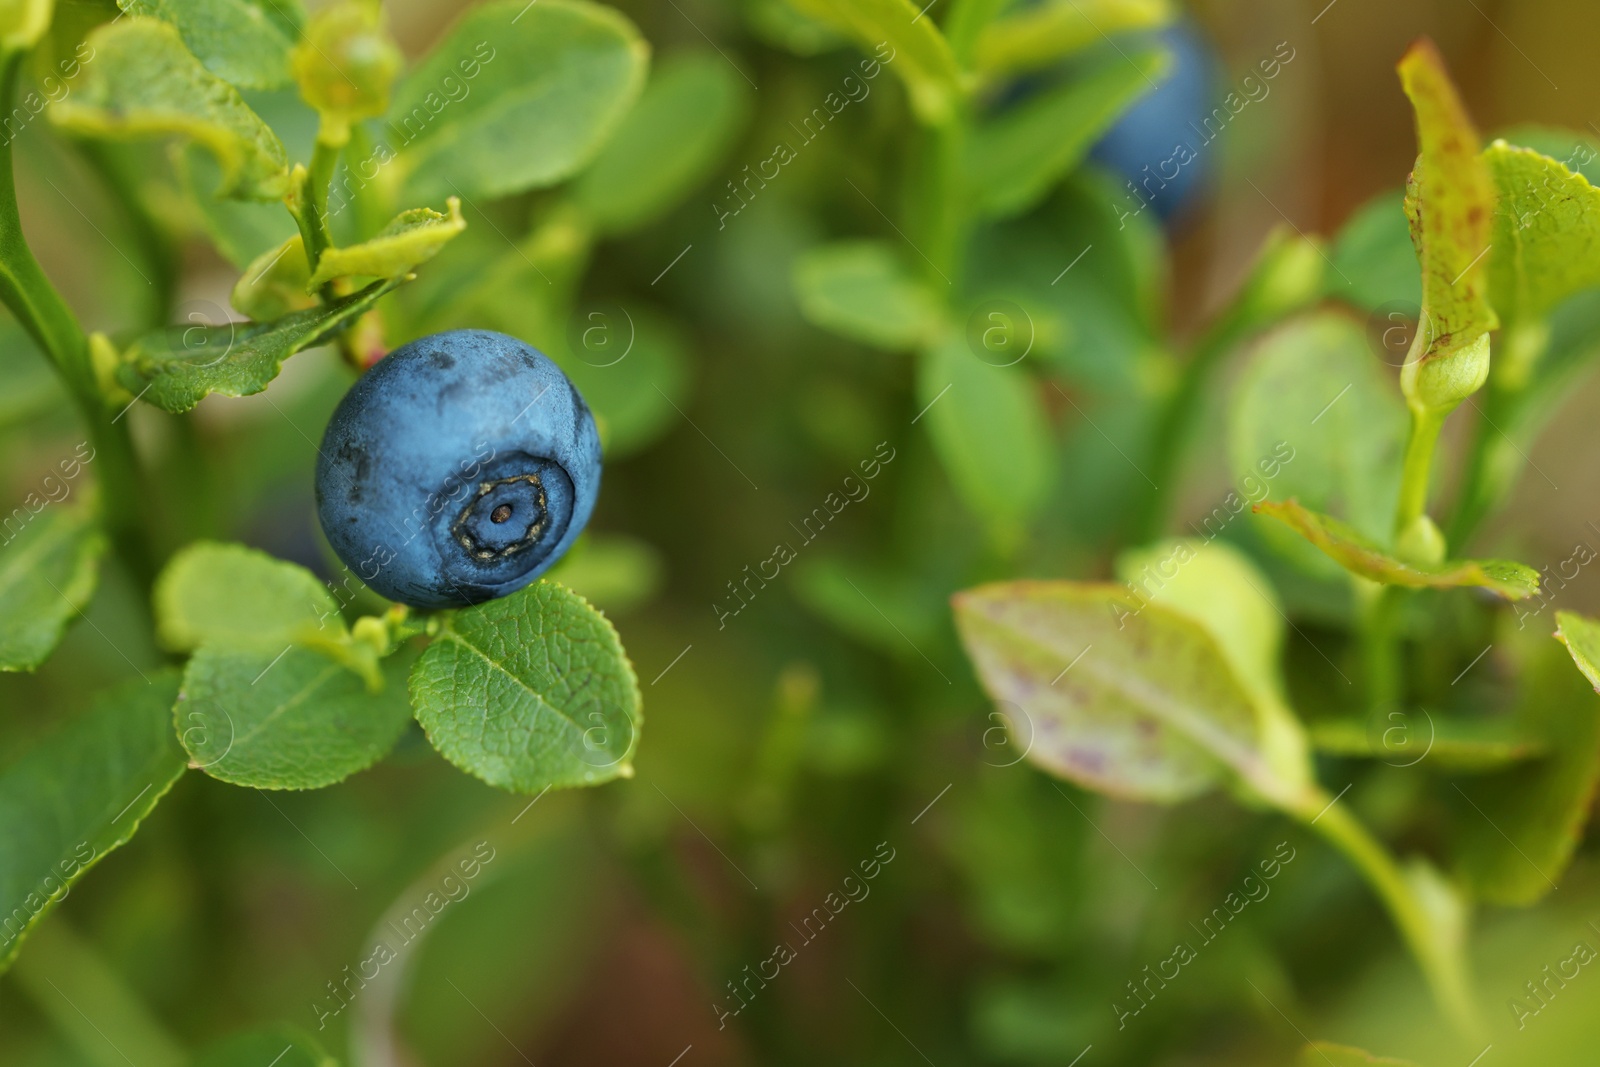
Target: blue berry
457, 470
1162, 144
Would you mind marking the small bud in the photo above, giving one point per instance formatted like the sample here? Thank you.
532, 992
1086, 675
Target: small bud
25, 22
347, 63
1421, 542
1286, 277
1440, 381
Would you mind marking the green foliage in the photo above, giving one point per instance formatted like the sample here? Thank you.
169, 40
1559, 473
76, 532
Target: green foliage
989, 428
863, 290
177, 367
955, 222
413, 238
896, 34
289, 718
1313, 418
530, 691
145, 83
233, 595
78, 795
682, 126
547, 85
1546, 233
1015, 158
245, 42
49, 563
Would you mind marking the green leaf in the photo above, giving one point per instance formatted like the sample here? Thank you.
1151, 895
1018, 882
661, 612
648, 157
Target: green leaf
1218, 587
989, 428
1517, 830
275, 284
245, 42
895, 32
529, 691
1447, 742
145, 83
1546, 234
863, 291
49, 562
286, 718
1324, 1054
1581, 635
685, 121
1118, 694
1450, 203
238, 596
80, 793
1362, 557
516, 97
277, 1046
1313, 417
1376, 263
414, 237
1016, 157
176, 368
1039, 35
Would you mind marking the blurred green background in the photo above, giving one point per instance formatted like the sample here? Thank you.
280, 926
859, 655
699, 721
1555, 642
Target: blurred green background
835, 712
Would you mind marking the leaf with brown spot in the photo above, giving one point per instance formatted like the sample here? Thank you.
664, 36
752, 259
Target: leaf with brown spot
1352, 550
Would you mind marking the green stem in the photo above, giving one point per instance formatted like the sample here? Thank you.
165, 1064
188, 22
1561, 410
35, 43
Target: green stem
26, 290
1435, 951
946, 220
1425, 426
309, 201
1380, 647
965, 23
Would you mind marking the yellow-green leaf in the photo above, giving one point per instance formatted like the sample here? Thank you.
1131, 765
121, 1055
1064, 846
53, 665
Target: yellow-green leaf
1546, 233
25, 22
275, 283
414, 237
145, 83
1581, 635
1042, 34
245, 42
238, 596
1450, 203
898, 35
1353, 551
